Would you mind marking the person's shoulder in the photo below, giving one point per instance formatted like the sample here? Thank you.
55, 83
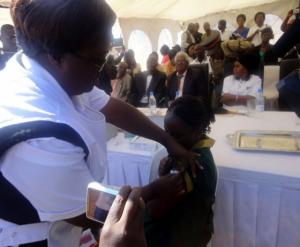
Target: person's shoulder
96, 98
172, 75
229, 78
206, 156
161, 74
255, 77
252, 30
216, 32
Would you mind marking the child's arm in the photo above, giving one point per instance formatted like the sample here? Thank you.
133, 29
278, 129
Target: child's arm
159, 207
165, 166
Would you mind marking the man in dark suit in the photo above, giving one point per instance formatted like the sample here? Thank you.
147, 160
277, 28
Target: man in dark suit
186, 80
148, 81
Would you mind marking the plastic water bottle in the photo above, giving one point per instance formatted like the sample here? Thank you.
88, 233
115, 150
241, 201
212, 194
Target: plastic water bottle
177, 94
260, 101
152, 104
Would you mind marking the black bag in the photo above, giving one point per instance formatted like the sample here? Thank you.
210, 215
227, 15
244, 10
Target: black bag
14, 207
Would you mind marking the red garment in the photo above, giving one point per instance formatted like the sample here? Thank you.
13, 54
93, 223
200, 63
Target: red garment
165, 59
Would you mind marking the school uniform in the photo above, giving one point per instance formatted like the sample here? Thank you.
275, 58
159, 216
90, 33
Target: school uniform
190, 222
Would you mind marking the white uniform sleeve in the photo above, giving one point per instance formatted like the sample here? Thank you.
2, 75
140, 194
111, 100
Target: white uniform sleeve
51, 174
98, 98
227, 85
256, 85
251, 32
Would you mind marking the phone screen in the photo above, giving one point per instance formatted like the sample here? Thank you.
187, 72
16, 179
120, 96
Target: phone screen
99, 201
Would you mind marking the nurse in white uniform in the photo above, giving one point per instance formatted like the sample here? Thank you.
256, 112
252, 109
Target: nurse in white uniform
64, 44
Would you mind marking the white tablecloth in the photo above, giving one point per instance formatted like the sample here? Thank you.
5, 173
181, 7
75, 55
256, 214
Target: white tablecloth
130, 166
258, 195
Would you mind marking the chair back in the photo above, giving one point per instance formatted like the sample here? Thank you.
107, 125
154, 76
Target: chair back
288, 65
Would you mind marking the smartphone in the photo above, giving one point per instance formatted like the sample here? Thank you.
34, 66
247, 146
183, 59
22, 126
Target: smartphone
99, 200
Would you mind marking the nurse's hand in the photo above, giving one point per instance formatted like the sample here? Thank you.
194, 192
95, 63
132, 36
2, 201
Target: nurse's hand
188, 158
165, 166
124, 226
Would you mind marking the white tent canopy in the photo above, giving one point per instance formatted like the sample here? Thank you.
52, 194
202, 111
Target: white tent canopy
179, 10
147, 19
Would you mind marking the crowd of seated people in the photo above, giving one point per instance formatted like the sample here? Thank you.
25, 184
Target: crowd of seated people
200, 68
175, 74
123, 78
204, 48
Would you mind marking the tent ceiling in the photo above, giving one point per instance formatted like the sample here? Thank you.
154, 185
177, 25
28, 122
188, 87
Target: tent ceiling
174, 9
181, 10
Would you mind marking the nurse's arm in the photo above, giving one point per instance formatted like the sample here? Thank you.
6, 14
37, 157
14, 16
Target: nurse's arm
130, 119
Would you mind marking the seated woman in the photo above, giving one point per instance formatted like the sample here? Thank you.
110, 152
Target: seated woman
169, 67
186, 220
164, 50
123, 84
242, 85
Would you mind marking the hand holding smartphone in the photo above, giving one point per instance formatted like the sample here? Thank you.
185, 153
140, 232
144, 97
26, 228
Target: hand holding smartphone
99, 200
124, 223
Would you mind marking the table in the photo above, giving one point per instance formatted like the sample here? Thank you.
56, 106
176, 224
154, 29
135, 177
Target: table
128, 165
258, 194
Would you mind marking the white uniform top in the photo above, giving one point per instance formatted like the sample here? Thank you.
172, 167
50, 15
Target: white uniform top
226, 35
52, 174
241, 88
256, 41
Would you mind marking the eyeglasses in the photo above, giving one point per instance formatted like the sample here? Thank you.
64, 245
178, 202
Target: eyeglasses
99, 65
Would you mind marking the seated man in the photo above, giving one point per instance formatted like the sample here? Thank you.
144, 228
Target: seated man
123, 84
148, 81
242, 86
185, 80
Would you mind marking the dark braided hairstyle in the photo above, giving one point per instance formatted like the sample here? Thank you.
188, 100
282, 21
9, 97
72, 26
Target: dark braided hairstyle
193, 111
